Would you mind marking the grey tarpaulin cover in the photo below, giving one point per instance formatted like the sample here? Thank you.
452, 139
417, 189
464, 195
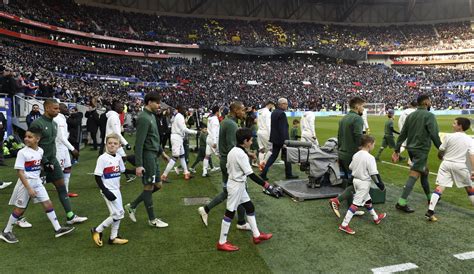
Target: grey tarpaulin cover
319, 160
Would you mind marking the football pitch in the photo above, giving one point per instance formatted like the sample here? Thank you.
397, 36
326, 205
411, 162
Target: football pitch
306, 238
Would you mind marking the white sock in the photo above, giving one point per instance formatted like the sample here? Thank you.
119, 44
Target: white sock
267, 156
106, 223
471, 198
261, 157
350, 213
114, 230
67, 177
11, 222
169, 166
434, 200
225, 226
402, 149
373, 213
470, 195
183, 164
253, 224
53, 219
205, 165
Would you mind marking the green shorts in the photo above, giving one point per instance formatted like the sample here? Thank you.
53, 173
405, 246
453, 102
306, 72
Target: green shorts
388, 141
152, 168
419, 160
56, 174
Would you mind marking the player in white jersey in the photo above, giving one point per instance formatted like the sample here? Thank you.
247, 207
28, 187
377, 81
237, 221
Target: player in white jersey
401, 122
364, 171
239, 168
115, 126
178, 131
365, 128
212, 138
30, 186
107, 176
263, 134
308, 132
453, 169
63, 146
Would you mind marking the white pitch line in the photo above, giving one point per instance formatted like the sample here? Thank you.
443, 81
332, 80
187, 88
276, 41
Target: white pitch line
405, 167
465, 256
395, 268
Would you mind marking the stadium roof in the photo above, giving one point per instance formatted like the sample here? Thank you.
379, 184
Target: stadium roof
344, 11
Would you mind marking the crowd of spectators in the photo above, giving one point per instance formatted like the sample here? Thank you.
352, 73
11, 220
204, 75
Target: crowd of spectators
66, 13
220, 79
466, 56
76, 40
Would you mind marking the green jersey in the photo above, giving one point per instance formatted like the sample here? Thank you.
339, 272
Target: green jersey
388, 129
349, 135
294, 133
227, 138
148, 138
49, 130
419, 130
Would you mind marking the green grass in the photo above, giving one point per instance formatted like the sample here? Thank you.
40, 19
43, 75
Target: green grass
305, 234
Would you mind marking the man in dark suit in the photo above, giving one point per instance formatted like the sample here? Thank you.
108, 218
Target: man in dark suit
92, 125
278, 134
3, 128
74, 124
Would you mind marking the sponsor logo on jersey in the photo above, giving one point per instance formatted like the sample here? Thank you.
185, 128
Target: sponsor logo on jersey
111, 172
33, 165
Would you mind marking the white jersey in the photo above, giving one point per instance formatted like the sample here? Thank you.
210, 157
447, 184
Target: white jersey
403, 117
363, 165
178, 126
29, 160
62, 136
114, 126
213, 129
456, 146
307, 125
238, 166
109, 168
264, 120
366, 122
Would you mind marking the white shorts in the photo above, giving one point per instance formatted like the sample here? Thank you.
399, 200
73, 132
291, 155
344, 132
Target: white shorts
177, 147
20, 196
210, 150
63, 157
362, 189
236, 195
121, 152
263, 141
115, 207
450, 172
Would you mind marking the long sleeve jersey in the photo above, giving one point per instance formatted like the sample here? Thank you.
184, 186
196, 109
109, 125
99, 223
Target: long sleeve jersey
179, 126
419, 130
63, 134
213, 129
307, 125
114, 126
